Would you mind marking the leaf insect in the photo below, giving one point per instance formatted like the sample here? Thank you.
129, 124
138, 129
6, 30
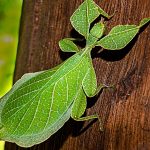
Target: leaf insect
40, 103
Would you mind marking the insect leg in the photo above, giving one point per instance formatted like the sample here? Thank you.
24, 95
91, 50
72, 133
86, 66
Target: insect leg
99, 88
95, 116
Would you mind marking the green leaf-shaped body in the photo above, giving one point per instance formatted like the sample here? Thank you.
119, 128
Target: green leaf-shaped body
42, 103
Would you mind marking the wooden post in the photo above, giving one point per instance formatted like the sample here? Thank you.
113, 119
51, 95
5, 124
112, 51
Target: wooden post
125, 111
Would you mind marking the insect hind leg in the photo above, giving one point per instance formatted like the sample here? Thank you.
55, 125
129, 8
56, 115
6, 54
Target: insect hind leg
91, 117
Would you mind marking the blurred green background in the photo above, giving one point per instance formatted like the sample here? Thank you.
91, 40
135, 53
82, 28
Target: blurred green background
10, 12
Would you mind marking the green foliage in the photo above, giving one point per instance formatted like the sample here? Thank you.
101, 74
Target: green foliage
40, 103
9, 25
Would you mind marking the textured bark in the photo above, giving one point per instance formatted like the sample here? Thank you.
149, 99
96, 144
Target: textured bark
125, 110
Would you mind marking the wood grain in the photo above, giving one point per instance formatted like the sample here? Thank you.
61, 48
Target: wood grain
125, 111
